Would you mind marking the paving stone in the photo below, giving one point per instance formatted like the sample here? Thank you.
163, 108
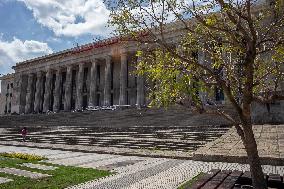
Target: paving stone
4, 180
123, 181
81, 160
39, 166
24, 173
118, 164
108, 161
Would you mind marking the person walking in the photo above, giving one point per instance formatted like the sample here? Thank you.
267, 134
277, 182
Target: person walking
24, 133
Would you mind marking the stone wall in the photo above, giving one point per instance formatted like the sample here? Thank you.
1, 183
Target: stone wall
6, 96
2, 104
268, 113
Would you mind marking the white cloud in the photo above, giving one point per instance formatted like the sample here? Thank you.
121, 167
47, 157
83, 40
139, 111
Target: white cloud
16, 50
71, 17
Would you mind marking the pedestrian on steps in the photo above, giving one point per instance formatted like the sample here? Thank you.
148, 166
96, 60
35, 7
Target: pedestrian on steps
24, 133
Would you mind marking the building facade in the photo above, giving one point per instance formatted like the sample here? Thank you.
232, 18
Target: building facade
97, 74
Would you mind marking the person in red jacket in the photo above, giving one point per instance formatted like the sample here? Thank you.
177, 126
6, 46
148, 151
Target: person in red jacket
24, 133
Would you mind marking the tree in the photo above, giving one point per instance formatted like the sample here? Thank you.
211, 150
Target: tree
240, 48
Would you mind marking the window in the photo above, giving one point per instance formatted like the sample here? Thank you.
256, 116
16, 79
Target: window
219, 94
194, 55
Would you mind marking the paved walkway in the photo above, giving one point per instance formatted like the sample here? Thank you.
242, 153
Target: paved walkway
270, 140
134, 172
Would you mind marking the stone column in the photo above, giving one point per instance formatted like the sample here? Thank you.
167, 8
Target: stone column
38, 93
68, 89
140, 101
47, 94
79, 88
123, 80
93, 84
57, 91
23, 94
30, 94
107, 89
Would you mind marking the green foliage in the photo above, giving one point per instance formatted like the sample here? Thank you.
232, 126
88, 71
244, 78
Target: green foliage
279, 53
211, 20
168, 83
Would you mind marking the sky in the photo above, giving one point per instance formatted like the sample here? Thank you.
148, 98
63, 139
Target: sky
32, 28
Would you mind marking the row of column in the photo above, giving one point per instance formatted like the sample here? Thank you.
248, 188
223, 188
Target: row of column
42, 95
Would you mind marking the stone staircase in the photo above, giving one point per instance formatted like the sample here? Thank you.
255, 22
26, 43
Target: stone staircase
175, 129
119, 118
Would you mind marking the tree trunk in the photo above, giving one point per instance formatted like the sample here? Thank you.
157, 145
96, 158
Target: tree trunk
257, 175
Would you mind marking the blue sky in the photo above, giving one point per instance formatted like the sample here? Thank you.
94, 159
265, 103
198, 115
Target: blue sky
32, 28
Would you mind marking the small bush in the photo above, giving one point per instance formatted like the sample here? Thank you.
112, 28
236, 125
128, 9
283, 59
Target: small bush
29, 157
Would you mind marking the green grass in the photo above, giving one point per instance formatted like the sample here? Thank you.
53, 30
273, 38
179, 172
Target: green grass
62, 177
189, 183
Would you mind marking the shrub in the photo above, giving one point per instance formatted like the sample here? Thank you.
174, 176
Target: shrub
30, 157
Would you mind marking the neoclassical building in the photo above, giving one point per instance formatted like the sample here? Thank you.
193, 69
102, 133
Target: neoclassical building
96, 74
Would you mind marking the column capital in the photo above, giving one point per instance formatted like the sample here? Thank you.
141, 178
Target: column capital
108, 58
124, 52
47, 68
58, 70
31, 74
81, 65
39, 73
48, 73
94, 60
123, 56
69, 68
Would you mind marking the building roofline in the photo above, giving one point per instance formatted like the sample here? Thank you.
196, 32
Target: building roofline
7, 76
75, 50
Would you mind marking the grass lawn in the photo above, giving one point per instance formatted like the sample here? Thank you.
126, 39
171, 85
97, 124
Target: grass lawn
190, 182
62, 177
